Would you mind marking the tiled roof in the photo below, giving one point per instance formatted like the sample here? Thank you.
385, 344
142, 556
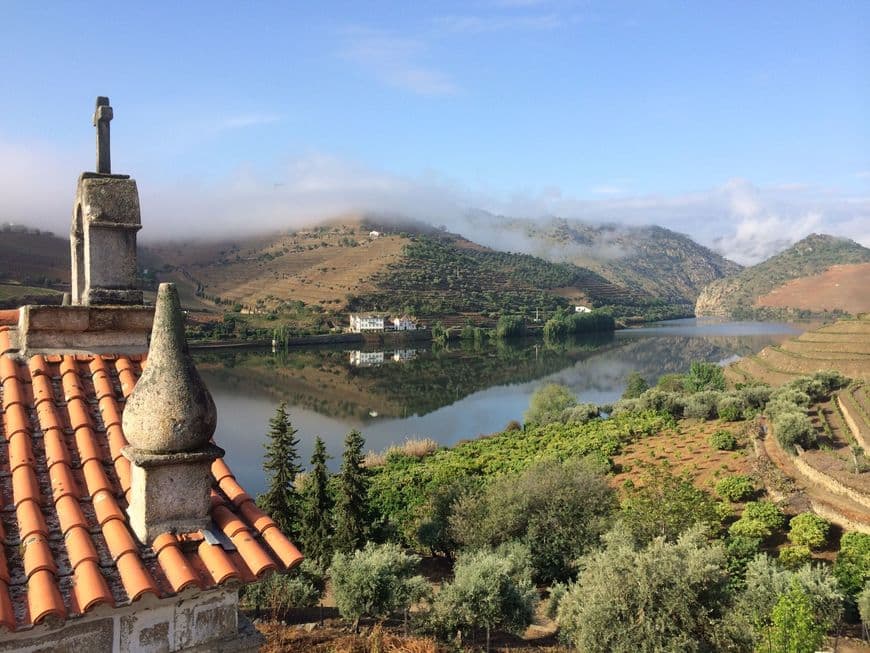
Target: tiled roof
65, 544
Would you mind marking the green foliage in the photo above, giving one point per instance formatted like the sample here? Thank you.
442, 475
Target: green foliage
671, 383
731, 407
557, 510
300, 588
704, 376
723, 441
702, 404
794, 428
282, 464
737, 487
808, 530
793, 625
795, 556
565, 323
852, 567
376, 581
403, 485
490, 589
665, 504
741, 551
767, 581
316, 528
510, 326
659, 401
755, 396
548, 403
864, 604
759, 519
580, 414
351, 504
635, 386
433, 531
667, 596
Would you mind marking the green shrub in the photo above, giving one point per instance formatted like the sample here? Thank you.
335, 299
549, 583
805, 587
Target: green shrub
794, 428
751, 528
852, 567
376, 581
765, 511
702, 405
723, 441
808, 530
301, 588
549, 403
635, 386
662, 402
795, 556
730, 408
490, 589
736, 488
794, 628
704, 376
755, 396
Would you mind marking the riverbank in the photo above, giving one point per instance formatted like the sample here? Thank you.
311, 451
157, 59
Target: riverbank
387, 337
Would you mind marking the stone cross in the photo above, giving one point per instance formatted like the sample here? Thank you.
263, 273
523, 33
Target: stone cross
102, 116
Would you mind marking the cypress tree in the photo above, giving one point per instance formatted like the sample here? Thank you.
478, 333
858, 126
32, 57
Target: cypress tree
351, 505
282, 462
315, 528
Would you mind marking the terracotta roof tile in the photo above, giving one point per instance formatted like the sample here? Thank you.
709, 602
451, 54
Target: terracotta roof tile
5, 340
9, 316
62, 421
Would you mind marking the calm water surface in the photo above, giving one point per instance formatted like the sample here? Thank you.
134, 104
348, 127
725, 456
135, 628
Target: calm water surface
448, 394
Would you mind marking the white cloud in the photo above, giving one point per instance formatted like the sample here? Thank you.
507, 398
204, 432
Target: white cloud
744, 222
395, 60
472, 24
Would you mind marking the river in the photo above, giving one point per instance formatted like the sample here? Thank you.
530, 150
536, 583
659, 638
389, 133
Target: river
445, 393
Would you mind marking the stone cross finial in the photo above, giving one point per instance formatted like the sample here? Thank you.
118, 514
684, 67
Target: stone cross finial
102, 115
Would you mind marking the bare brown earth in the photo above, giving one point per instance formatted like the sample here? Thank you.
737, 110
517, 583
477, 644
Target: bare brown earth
843, 287
316, 266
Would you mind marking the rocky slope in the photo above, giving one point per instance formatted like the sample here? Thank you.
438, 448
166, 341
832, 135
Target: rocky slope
737, 296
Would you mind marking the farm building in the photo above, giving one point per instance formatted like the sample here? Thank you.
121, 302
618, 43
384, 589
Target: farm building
582, 309
123, 527
404, 323
360, 323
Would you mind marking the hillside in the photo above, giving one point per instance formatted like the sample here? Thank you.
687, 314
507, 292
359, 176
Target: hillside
650, 260
760, 290
335, 268
33, 258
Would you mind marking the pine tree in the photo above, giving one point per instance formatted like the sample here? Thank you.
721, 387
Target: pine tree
351, 505
282, 462
315, 527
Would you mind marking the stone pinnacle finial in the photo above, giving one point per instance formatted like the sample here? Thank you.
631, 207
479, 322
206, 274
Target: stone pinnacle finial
170, 410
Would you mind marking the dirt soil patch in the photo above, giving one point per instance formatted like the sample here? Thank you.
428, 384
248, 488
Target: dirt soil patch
841, 287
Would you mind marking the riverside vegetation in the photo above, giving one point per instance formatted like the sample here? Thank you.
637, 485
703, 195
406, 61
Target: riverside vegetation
529, 522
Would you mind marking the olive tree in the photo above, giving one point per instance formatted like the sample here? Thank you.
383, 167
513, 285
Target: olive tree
376, 581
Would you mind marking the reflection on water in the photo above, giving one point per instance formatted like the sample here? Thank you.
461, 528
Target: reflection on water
446, 393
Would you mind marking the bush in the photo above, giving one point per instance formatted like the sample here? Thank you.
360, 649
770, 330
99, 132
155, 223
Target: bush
301, 588
808, 530
794, 428
794, 557
738, 487
510, 326
755, 396
490, 589
376, 581
852, 567
558, 510
864, 604
702, 405
793, 625
549, 403
662, 402
765, 511
676, 587
635, 386
580, 414
666, 505
752, 528
723, 441
704, 376
730, 408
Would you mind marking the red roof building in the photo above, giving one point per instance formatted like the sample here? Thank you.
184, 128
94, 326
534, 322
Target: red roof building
107, 546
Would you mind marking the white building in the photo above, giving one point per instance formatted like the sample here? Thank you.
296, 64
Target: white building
403, 355
366, 323
582, 309
404, 323
374, 234
366, 358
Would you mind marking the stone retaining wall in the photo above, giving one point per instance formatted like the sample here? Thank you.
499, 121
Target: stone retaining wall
853, 423
829, 482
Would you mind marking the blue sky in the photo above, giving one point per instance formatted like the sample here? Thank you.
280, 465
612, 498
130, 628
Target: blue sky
703, 116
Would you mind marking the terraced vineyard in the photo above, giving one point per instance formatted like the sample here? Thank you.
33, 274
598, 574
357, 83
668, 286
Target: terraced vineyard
842, 346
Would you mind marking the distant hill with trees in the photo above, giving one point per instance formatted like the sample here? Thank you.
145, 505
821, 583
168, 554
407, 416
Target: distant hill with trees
756, 291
